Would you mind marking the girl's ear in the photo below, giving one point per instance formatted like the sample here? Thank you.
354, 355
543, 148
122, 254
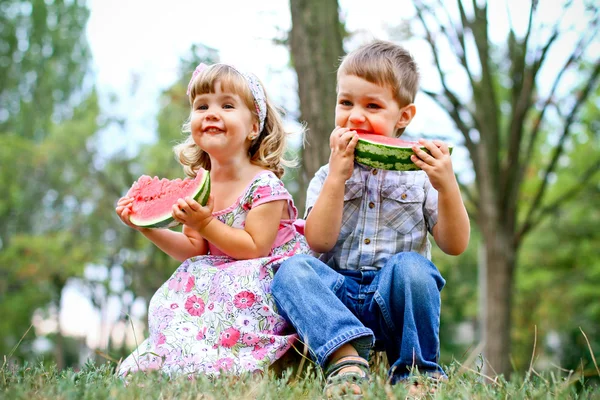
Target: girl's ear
407, 113
253, 134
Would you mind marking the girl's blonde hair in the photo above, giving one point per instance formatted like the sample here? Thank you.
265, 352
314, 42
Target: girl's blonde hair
266, 151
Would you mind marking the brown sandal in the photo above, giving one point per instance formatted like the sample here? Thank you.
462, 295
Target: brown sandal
340, 383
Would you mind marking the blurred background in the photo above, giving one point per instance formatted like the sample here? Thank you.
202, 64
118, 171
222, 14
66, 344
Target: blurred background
92, 95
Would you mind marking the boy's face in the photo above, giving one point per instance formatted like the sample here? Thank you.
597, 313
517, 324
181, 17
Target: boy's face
369, 108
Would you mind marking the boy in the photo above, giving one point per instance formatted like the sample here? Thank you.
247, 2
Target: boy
374, 282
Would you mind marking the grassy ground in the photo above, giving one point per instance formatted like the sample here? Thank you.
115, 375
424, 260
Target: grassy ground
99, 382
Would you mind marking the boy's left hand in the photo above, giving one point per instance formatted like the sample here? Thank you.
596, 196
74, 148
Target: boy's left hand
437, 165
191, 213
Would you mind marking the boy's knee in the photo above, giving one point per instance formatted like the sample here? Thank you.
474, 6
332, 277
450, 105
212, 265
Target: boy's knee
416, 271
291, 272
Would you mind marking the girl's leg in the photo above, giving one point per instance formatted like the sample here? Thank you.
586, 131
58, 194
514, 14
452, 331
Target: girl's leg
405, 314
312, 296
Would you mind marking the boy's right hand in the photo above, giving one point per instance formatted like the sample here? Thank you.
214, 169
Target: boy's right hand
124, 211
342, 143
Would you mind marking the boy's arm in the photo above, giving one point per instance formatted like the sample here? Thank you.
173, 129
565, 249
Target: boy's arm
452, 230
324, 221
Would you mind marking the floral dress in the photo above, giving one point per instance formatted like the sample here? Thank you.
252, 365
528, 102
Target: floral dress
216, 314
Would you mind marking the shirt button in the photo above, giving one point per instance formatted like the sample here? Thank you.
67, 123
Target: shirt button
374, 172
371, 205
403, 197
367, 241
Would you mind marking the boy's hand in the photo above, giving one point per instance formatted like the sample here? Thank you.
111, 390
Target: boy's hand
191, 213
437, 165
342, 143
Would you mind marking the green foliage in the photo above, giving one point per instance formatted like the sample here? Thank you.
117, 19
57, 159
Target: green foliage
43, 61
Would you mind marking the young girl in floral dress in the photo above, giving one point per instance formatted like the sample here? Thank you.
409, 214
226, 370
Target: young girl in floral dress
215, 314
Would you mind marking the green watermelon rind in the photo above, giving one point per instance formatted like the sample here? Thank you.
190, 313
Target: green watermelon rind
384, 156
167, 220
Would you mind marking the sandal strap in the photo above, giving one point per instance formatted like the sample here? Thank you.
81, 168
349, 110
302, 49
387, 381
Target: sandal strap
347, 361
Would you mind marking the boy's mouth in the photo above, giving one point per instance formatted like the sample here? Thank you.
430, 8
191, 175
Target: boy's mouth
364, 131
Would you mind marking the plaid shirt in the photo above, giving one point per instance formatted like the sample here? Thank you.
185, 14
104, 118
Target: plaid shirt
385, 213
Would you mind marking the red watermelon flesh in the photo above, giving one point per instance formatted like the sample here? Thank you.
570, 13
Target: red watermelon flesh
154, 198
391, 141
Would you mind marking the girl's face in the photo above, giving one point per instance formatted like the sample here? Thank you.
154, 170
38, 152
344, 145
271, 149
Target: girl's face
222, 124
366, 107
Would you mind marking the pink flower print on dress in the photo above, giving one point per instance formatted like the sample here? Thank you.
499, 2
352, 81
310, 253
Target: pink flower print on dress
224, 364
201, 333
259, 352
244, 299
250, 339
161, 339
229, 337
181, 281
194, 305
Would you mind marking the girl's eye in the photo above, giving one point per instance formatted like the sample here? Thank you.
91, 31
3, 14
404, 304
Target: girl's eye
373, 105
202, 107
228, 106
346, 103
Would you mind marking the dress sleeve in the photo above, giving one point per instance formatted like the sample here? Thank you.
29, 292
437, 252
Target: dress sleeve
265, 189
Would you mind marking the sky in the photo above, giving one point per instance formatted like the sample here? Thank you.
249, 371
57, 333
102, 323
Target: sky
136, 47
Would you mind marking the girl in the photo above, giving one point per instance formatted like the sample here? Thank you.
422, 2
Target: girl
216, 313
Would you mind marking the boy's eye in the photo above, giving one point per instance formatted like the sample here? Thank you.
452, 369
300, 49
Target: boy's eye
346, 103
373, 105
228, 106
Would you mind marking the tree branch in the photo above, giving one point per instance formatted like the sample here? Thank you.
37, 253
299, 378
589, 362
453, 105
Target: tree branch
449, 95
522, 97
454, 113
558, 150
565, 197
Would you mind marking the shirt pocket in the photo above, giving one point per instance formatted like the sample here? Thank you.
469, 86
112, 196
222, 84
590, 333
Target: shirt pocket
402, 207
352, 200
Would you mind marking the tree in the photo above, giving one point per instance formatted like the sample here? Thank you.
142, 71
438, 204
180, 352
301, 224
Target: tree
43, 60
501, 119
316, 48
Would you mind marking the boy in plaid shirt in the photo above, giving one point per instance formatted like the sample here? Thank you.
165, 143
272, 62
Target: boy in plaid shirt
374, 283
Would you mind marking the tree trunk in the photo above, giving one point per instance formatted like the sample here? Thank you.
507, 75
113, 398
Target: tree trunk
316, 48
496, 295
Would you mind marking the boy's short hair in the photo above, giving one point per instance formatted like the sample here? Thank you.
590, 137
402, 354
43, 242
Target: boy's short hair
385, 64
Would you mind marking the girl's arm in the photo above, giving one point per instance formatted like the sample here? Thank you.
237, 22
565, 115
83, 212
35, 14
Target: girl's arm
257, 237
254, 241
179, 245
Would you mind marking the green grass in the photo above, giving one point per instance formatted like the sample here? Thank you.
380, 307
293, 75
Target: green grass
99, 382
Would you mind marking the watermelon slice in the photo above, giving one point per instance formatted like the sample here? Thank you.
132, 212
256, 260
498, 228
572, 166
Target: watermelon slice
383, 152
154, 198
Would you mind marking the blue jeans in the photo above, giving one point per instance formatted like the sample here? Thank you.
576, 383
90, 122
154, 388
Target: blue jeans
396, 308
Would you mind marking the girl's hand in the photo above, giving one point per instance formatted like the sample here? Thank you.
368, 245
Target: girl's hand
437, 165
191, 213
342, 143
124, 206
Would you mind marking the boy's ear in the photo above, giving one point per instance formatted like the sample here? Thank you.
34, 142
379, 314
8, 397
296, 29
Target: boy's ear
407, 113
